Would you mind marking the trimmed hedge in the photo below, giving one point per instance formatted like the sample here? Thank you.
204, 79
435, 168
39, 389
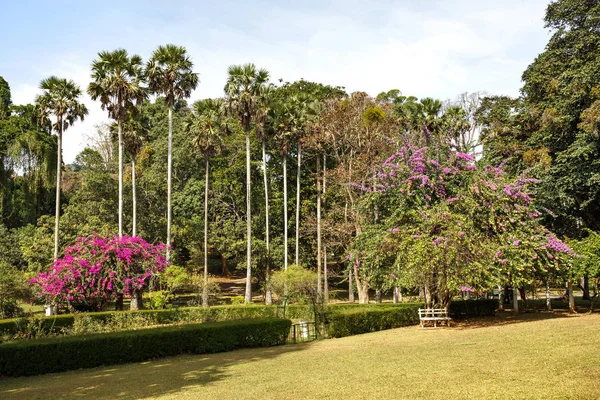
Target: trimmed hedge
41, 356
349, 322
463, 309
55, 324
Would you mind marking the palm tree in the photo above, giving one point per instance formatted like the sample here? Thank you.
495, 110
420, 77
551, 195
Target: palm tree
60, 98
264, 107
134, 131
117, 83
243, 88
207, 124
169, 74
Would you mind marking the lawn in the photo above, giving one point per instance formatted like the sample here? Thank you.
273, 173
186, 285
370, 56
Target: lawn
532, 356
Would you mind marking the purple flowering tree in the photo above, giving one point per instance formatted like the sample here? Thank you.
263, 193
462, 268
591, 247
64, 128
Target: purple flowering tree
97, 270
449, 222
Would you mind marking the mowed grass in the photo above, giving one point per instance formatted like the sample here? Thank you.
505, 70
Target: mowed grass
540, 356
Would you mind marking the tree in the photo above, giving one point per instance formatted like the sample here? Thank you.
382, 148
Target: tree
60, 98
169, 74
96, 269
117, 83
207, 125
5, 99
243, 89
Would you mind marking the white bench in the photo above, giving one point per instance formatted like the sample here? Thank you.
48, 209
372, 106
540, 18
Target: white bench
435, 315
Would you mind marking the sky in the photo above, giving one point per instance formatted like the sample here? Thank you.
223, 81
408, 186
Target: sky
427, 48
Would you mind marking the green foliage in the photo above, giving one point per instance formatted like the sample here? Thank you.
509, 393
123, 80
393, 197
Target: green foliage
357, 321
297, 283
65, 353
12, 288
462, 309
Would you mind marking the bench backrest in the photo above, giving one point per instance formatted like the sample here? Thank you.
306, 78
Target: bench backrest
433, 312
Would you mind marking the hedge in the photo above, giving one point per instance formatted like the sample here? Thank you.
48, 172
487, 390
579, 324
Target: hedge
55, 324
41, 356
473, 308
349, 322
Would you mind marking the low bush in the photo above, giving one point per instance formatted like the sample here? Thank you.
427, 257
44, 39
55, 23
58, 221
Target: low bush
473, 308
46, 355
109, 321
353, 321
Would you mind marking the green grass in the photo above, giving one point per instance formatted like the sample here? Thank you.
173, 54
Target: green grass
531, 356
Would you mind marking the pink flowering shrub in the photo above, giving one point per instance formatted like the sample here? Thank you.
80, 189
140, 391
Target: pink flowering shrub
96, 270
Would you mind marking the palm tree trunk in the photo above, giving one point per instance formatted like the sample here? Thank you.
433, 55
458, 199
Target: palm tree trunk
285, 214
248, 294
298, 204
169, 165
205, 287
134, 195
319, 286
325, 272
268, 294
120, 133
58, 185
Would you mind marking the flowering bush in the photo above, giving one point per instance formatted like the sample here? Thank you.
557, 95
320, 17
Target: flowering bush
96, 270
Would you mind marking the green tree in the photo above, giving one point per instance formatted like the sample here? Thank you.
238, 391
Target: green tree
60, 99
117, 83
169, 74
5, 99
207, 125
243, 89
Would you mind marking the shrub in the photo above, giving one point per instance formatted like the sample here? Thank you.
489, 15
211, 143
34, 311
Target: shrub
473, 308
65, 353
347, 322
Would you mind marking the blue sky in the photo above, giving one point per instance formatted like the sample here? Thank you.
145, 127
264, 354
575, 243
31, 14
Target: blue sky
424, 48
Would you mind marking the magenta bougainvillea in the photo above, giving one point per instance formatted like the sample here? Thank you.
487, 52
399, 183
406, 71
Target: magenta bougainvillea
96, 270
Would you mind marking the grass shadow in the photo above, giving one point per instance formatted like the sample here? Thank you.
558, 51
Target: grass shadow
509, 317
138, 380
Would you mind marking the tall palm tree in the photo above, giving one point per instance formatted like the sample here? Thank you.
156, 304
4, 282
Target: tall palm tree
134, 131
243, 88
117, 83
207, 125
264, 108
169, 73
60, 98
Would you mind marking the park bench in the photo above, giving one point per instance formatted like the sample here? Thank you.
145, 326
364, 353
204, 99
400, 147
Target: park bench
435, 315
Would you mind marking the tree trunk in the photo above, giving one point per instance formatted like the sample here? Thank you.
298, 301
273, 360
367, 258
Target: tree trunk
248, 294
395, 295
378, 294
571, 296
133, 195
350, 287
584, 285
500, 298
319, 290
325, 276
361, 287
268, 294
205, 286
297, 258
120, 134
136, 301
548, 302
169, 183
58, 185
523, 294
515, 299
224, 269
285, 214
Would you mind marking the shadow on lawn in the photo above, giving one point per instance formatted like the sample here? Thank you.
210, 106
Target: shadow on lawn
138, 380
509, 317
